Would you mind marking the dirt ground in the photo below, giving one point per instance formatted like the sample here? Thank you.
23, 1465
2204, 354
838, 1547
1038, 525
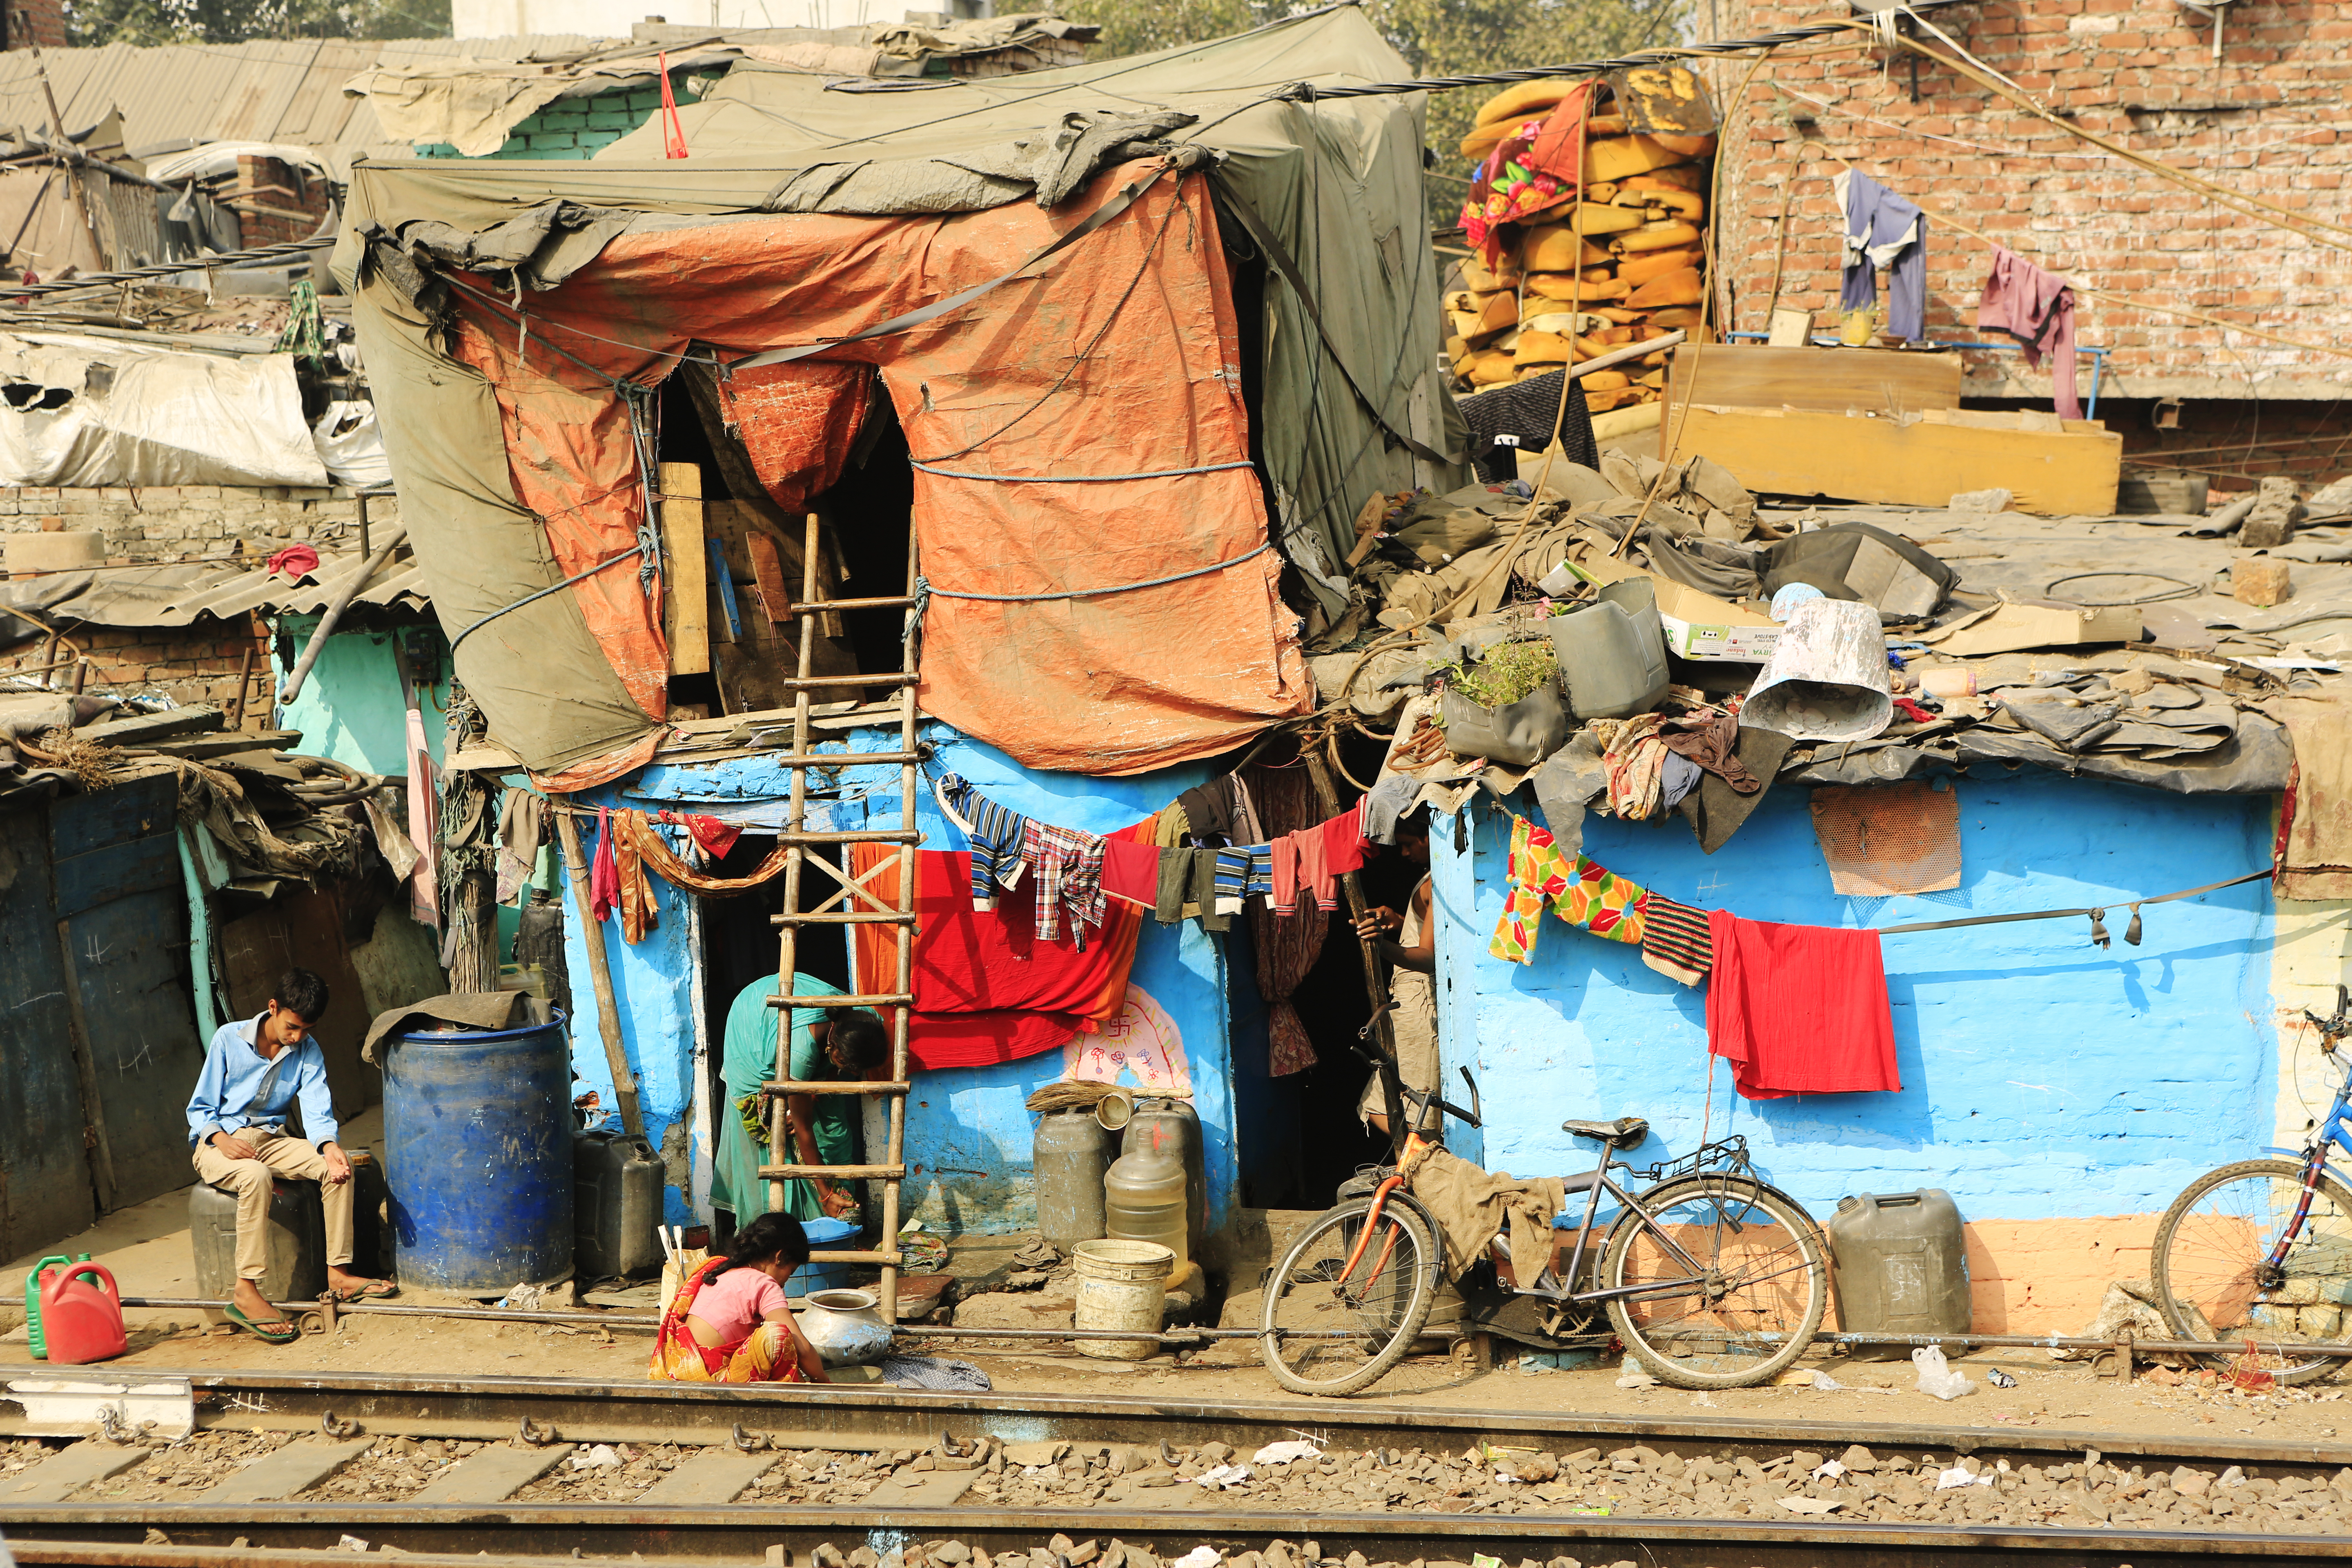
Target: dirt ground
146, 1247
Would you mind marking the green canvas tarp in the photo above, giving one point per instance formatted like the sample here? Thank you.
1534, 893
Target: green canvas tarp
1334, 185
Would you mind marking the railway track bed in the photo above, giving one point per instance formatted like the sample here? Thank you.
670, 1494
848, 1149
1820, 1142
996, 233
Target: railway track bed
282, 1464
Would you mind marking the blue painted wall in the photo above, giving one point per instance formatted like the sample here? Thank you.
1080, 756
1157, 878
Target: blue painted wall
2043, 1078
968, 1119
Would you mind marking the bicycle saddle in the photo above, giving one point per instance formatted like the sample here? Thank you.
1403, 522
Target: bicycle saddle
1622, 1133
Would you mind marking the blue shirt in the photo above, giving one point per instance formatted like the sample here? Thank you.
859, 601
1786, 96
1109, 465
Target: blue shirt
231, 1094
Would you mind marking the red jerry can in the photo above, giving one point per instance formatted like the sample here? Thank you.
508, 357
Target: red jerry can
81, 1321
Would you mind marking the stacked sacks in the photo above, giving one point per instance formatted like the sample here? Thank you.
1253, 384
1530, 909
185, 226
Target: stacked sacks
1589, 235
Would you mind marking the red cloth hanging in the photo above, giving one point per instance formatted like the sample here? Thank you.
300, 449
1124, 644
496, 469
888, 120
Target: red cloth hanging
296, 561
604, 869
716, 838
1800, 1009
986, 990
1131, 871
673, 132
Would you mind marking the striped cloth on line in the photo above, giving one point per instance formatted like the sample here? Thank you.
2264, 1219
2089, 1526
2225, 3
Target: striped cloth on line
1675, 940
995, 833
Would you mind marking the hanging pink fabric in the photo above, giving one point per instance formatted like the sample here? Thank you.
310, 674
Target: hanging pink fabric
604, 869
2036, 308
424, 825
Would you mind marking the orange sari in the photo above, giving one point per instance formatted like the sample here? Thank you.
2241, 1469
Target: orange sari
766, 1354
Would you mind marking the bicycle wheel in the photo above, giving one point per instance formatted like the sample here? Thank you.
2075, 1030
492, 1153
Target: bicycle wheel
2215, 1280
1345, 1327
1737, 1296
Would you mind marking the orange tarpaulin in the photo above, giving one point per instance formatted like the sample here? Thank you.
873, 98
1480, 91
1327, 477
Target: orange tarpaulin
1081, 428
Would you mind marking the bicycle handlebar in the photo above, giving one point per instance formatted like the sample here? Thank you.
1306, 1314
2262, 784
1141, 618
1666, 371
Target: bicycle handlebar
1473, 1116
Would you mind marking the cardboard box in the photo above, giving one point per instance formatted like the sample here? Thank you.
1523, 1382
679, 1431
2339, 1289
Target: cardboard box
1922, 460
2015, 627
1697, 625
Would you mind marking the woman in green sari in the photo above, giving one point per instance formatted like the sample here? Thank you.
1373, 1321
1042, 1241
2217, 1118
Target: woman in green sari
828, 1043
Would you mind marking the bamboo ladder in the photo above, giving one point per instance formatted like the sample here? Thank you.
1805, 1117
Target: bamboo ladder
851, 904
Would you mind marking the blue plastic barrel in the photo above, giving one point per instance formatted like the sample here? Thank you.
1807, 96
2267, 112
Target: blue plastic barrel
824, 1235
477, 1154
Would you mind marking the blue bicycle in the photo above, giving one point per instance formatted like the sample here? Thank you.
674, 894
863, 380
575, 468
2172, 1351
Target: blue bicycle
2258, 1255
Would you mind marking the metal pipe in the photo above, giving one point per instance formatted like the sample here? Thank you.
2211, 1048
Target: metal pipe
318, 645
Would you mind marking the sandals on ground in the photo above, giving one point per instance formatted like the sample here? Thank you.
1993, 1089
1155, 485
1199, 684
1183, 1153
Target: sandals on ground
269, 1330
365, 1290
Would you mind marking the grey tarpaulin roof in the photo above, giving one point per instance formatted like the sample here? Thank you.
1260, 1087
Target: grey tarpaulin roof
1337, 183
292, 90
177, 595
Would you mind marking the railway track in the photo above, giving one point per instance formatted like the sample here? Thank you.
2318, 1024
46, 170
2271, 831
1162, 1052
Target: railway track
770, 1475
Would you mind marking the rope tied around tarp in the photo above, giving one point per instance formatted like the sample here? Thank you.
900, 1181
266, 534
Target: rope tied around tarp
924, 591
1076, 478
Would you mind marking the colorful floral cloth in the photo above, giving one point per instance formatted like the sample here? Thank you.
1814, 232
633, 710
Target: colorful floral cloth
1579, 891
1537, 166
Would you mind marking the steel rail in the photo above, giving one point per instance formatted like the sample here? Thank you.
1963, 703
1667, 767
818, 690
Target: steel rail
647, 1322
849, 1416
453, 1535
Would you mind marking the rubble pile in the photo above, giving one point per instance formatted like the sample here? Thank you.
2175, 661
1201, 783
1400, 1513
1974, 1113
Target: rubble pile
2126, 648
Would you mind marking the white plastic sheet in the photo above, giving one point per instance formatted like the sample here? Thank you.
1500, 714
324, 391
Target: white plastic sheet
89, 411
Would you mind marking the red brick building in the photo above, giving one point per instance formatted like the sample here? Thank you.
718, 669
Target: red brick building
33, 23
2268, 120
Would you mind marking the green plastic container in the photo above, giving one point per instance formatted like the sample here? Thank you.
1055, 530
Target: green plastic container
33, 1302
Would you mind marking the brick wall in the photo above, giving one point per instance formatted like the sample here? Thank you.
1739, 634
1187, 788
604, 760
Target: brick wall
198, 663
40, 24
276, 202
2139, 72
578, 127
187, 522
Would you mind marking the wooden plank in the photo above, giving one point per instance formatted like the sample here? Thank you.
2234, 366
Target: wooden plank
686, 594
68, 1470
204, 748
1883, 381
712, 1474
2051, 474
141, 728
286, 1471
768, 578
493, 1474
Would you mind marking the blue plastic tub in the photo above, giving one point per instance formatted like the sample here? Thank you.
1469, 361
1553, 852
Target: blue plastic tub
477, 1154
824, 1235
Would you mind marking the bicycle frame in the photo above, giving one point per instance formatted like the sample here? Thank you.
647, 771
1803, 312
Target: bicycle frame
1416, 1148
2335, 1132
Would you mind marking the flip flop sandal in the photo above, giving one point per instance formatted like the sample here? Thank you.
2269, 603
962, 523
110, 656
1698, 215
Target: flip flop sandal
371, 1290
269, 1330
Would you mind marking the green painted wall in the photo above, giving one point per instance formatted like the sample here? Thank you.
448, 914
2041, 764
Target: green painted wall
351, 709
578, 127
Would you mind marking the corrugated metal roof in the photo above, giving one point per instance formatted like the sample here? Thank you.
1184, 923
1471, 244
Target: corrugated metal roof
178, 595
265, 90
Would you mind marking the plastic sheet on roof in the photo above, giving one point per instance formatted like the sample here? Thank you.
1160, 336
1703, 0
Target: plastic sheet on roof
1337, 183
94, 412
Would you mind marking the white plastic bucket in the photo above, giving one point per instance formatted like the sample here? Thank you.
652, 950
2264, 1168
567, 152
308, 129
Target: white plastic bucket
1122, 1285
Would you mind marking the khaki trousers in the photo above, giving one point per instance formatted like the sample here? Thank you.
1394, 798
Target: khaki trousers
276, 1155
